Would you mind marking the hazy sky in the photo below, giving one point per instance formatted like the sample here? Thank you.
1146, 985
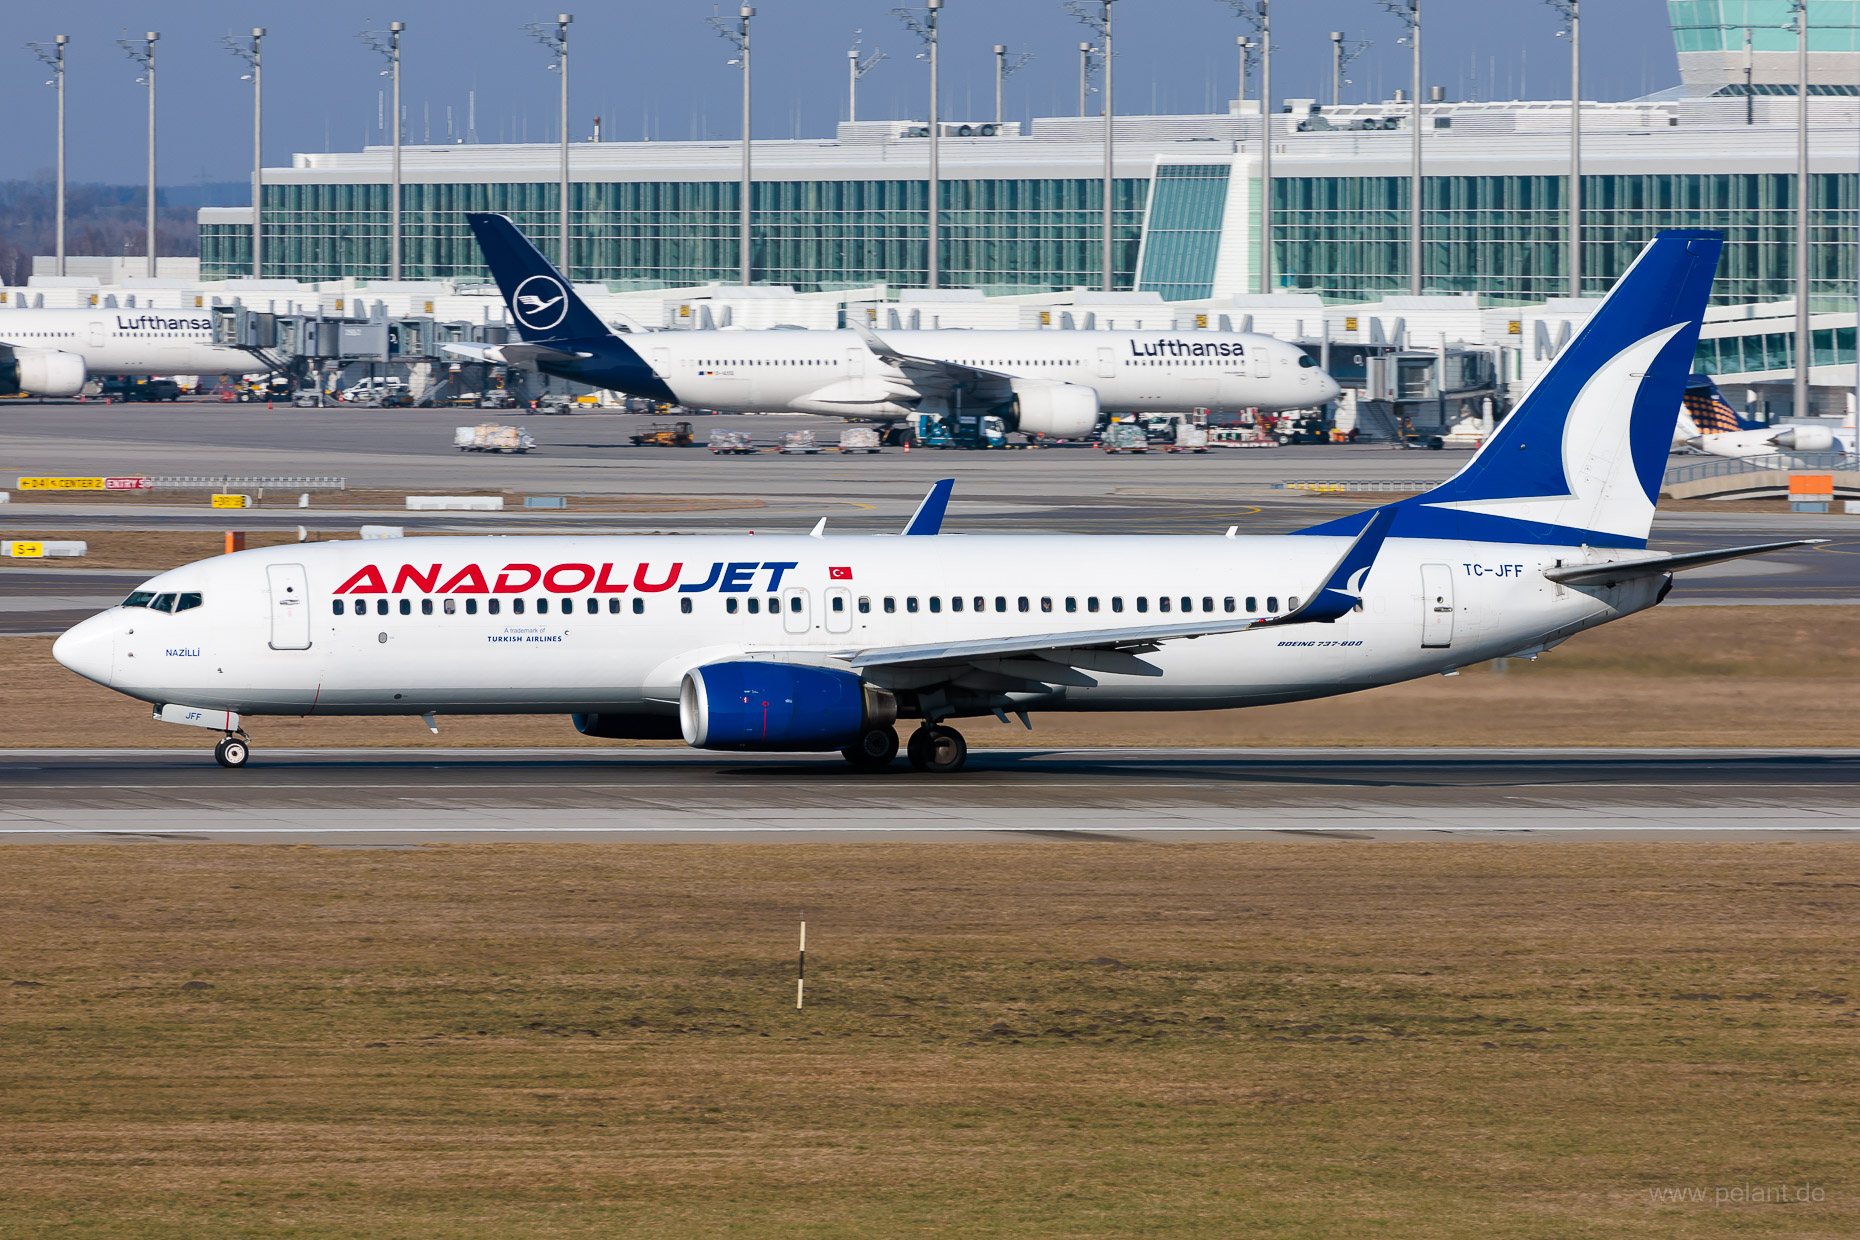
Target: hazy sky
656, 68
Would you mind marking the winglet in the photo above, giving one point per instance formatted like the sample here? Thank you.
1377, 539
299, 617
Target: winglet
928, 519
872, 340
1344, 588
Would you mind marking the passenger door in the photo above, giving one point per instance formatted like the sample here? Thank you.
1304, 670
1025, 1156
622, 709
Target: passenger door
796, 615
290, 606
1436, 605
1107, 363
839, 610
1262, 364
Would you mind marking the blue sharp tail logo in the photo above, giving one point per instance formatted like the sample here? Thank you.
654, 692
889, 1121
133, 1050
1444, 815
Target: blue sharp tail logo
542, 303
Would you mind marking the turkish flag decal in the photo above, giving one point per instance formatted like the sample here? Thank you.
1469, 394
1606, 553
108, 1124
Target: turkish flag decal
840, 574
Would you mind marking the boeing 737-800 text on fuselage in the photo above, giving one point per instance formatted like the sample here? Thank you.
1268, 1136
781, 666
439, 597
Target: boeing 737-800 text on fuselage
1041, 382
818, 643
55, 352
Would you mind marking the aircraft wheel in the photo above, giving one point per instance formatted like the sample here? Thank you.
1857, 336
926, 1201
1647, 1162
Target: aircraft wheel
232, 752
874, 750
938, 750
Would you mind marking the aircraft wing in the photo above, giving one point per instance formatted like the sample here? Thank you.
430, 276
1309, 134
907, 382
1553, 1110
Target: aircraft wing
512, 354
1654, 566
933, 375
1028, 662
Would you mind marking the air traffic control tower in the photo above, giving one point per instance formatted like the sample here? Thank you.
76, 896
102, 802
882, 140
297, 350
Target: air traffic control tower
1732, 48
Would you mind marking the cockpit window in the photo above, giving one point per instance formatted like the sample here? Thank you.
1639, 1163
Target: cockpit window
1305, 359
141, 598
162, 602
187, 602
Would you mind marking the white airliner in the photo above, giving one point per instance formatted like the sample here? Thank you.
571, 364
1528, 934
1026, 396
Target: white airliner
817, 643
1043, 382
54, 352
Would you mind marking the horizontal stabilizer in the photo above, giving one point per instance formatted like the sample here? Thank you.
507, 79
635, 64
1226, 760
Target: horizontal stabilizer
1629, 570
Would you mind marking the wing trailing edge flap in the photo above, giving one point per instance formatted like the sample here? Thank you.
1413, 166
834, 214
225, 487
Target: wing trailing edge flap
1630, 570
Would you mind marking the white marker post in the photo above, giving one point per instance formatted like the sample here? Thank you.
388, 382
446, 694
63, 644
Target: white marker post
800, 975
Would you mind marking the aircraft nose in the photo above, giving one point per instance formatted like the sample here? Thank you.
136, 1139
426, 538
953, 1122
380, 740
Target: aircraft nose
1328, 388
89, 648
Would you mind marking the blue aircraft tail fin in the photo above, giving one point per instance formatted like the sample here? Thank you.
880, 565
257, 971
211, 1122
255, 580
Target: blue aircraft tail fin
1581, 458
542, 302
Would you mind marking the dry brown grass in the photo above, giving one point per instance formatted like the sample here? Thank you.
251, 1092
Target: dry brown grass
1069, 1039
1672, 676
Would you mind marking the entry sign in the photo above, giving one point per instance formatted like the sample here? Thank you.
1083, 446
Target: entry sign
232, 501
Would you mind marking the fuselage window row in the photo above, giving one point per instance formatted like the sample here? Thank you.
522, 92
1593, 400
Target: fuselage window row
837, 604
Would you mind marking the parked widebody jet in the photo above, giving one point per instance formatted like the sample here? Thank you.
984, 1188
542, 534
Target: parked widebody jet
55, 352
1040, 382
817, 643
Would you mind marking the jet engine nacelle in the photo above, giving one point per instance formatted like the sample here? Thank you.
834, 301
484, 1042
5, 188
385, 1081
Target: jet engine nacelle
778, 707
1064, 410
42, 372
1805, 439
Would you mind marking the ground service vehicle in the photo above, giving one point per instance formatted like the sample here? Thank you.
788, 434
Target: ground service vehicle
677, 435
732, 443
492, 437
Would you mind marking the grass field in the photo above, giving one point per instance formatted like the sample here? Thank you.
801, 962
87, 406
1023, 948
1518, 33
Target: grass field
1671, 676
1039, 1038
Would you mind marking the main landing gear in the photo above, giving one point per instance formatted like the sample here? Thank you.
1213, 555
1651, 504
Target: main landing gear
232, 752
937, 749
874, 750
933, 747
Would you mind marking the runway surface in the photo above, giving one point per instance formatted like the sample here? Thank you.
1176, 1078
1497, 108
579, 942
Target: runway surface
403, 798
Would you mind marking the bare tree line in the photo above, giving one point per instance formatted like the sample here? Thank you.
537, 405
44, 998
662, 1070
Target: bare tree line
99, 219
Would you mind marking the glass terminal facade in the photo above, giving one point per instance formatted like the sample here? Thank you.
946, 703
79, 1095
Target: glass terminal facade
1019, 233
1344, 237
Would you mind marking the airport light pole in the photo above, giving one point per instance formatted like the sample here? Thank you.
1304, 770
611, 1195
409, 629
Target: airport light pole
926, 29
1006, 66
1258, 15
1804, 337
1096, 14
1085, 68
53, 54
390, 48
555, 38
1247, 48
1410, 13
1342, 52
251, 53
858, 66
737, 32
1571, 12
144, 55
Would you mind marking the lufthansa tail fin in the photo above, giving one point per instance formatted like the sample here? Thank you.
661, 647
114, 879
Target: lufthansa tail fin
1581, 459
542, 303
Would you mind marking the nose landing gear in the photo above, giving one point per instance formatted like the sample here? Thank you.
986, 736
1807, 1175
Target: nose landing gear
232, 752
937, 749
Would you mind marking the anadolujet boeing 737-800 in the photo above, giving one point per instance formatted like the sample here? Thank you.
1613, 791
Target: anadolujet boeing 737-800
55, 352
1040, 382
815, 643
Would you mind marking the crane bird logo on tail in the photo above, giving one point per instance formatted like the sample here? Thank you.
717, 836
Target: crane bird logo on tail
531, 302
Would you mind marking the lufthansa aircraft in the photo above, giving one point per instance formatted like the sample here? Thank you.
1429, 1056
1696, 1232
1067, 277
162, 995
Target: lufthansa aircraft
1041, 382
816, 643
55, 352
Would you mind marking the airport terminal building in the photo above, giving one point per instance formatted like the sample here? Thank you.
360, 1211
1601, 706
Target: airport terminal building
1021, 207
